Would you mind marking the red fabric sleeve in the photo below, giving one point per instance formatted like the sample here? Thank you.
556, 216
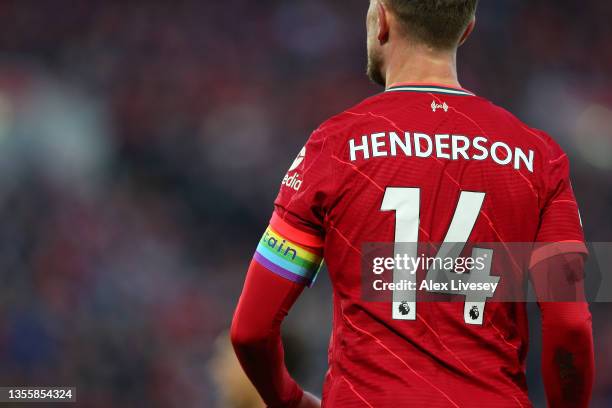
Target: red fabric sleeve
265, 301
567, 354
560, 229
287, 258
567, 339
306, 190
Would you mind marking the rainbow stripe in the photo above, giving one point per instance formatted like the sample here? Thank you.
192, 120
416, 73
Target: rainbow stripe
286, 258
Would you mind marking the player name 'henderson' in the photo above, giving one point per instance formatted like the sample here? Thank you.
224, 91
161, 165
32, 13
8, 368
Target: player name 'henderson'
443, 146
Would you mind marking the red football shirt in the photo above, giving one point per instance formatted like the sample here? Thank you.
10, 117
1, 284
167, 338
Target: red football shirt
422, 163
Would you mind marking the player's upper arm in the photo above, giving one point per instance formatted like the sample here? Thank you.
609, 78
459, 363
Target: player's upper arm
292, 246
560, 230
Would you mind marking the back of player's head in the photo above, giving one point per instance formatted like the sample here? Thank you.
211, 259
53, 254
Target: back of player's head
437, 23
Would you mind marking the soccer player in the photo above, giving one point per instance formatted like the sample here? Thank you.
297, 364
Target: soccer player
424, 161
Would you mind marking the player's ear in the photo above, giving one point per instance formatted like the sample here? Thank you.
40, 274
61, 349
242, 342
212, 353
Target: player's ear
468, 30
383, 23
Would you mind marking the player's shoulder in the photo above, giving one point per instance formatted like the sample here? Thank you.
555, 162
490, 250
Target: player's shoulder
373, 109
518, 128
326, 136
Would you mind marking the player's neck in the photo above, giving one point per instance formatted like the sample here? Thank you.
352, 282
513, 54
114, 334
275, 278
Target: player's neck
422, 66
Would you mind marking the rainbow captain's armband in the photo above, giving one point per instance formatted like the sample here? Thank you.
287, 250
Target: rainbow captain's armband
287, 258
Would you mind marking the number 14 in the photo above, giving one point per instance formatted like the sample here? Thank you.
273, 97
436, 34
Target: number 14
406, 204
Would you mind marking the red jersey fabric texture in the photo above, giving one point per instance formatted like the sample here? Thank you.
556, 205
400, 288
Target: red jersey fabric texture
440, 142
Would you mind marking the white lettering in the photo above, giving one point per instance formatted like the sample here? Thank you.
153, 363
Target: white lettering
441, 145
460, 150
395, 141
519, 155
376, 144
417, 145
484, 152
444, 146
496, 158
362, 147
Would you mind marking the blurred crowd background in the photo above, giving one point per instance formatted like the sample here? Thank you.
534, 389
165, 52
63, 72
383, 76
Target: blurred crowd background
142, 144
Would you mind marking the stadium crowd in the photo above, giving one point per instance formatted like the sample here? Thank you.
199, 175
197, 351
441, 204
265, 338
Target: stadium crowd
142, 144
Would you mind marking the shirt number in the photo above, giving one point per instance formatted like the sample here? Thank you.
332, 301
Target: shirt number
406, 204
